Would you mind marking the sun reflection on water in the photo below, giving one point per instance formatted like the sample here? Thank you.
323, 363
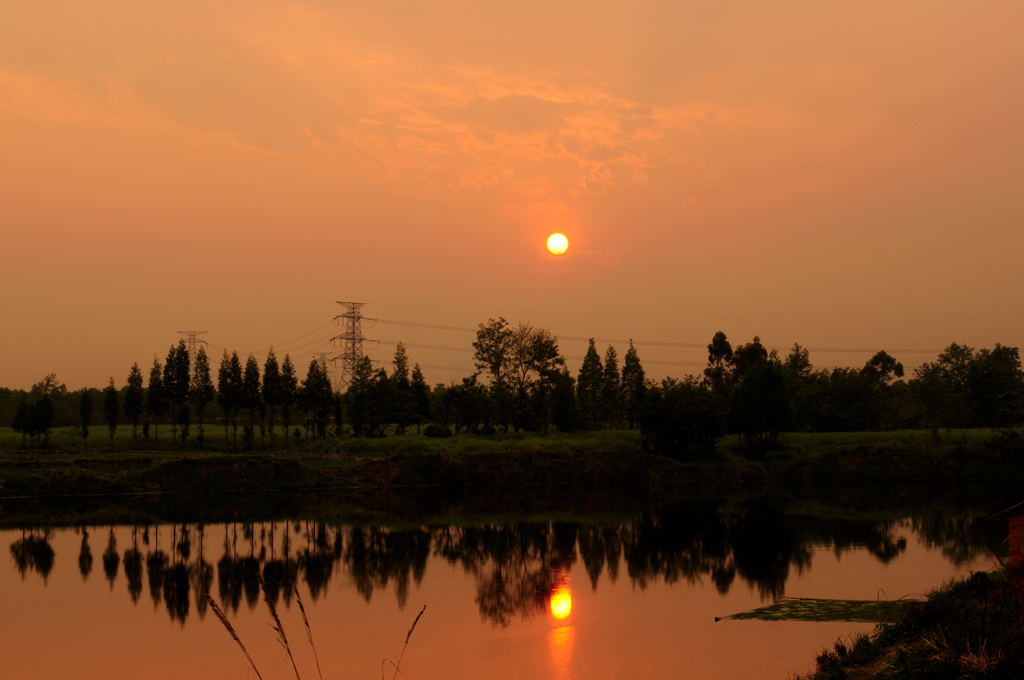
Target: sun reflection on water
560, 602
560, 644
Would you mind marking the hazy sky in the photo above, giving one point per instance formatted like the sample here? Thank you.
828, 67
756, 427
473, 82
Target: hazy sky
839, 174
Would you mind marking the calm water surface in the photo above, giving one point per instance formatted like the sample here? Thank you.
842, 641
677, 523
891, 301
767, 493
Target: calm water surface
631, 597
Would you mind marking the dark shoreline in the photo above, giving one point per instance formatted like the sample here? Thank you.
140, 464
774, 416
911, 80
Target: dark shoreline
865, 470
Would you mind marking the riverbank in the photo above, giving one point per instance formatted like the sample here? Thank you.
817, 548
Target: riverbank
830, 463
973, 628
579, 475
834, 463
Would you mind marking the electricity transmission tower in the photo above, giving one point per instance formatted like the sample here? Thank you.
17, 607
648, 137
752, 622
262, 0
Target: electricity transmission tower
192, 339
351, 339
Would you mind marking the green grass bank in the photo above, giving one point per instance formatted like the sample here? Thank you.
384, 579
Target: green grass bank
972, 629
517, 461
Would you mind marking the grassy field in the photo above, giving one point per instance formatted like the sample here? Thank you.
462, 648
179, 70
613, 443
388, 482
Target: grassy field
798, 444
68, 439
830, 462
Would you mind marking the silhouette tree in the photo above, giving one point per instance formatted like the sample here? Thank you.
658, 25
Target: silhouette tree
84, 415
250, 396
633, 387
316, 399
588, 387
492, 348
49, 386
381, 400
358, 397
469, 405
289, 393
565, 414
759, 406
201, 390
111, 408
22, 422
881, 369
156, 398
941, 387
403, 403
229, 392
718, 372
271, 388
133, 399
852, 400
176, 381
747, 356
995, 387
682, 419
421, 396
41, 418
611, 390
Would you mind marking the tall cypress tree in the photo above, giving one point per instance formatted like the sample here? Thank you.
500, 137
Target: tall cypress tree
289, 392
111, 408
251, 395
224, 391
133, 399
176, 381
588, 387
229, 392
420, 395
271, 387
403, 403
201, 390
611, 390
633, 387
316, 399
358, 397
156, 399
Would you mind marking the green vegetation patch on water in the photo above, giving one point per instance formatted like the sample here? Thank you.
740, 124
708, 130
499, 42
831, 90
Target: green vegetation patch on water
814, 609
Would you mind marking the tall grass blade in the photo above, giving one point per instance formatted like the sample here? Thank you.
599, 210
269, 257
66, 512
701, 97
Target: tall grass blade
407, 636
309, 630
231, 630
279, 628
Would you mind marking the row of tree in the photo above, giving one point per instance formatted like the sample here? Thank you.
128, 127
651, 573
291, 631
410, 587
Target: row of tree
521, 382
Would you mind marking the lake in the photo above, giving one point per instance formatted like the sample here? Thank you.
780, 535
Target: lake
602, 595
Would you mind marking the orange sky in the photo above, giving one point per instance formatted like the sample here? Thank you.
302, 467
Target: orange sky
838, 174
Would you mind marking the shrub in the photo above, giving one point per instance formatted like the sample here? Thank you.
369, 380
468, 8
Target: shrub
437, 430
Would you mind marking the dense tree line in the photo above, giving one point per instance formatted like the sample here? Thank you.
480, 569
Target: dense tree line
521, 383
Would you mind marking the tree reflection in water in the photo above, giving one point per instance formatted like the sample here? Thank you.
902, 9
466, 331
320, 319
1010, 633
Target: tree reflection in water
111, 560
517, 566
32, 552
85, 556
133, 567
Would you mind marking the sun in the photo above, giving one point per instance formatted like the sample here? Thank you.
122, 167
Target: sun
558, 243
560, 602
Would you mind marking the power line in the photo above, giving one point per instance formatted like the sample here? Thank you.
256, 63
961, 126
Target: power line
663, 343
295, 340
